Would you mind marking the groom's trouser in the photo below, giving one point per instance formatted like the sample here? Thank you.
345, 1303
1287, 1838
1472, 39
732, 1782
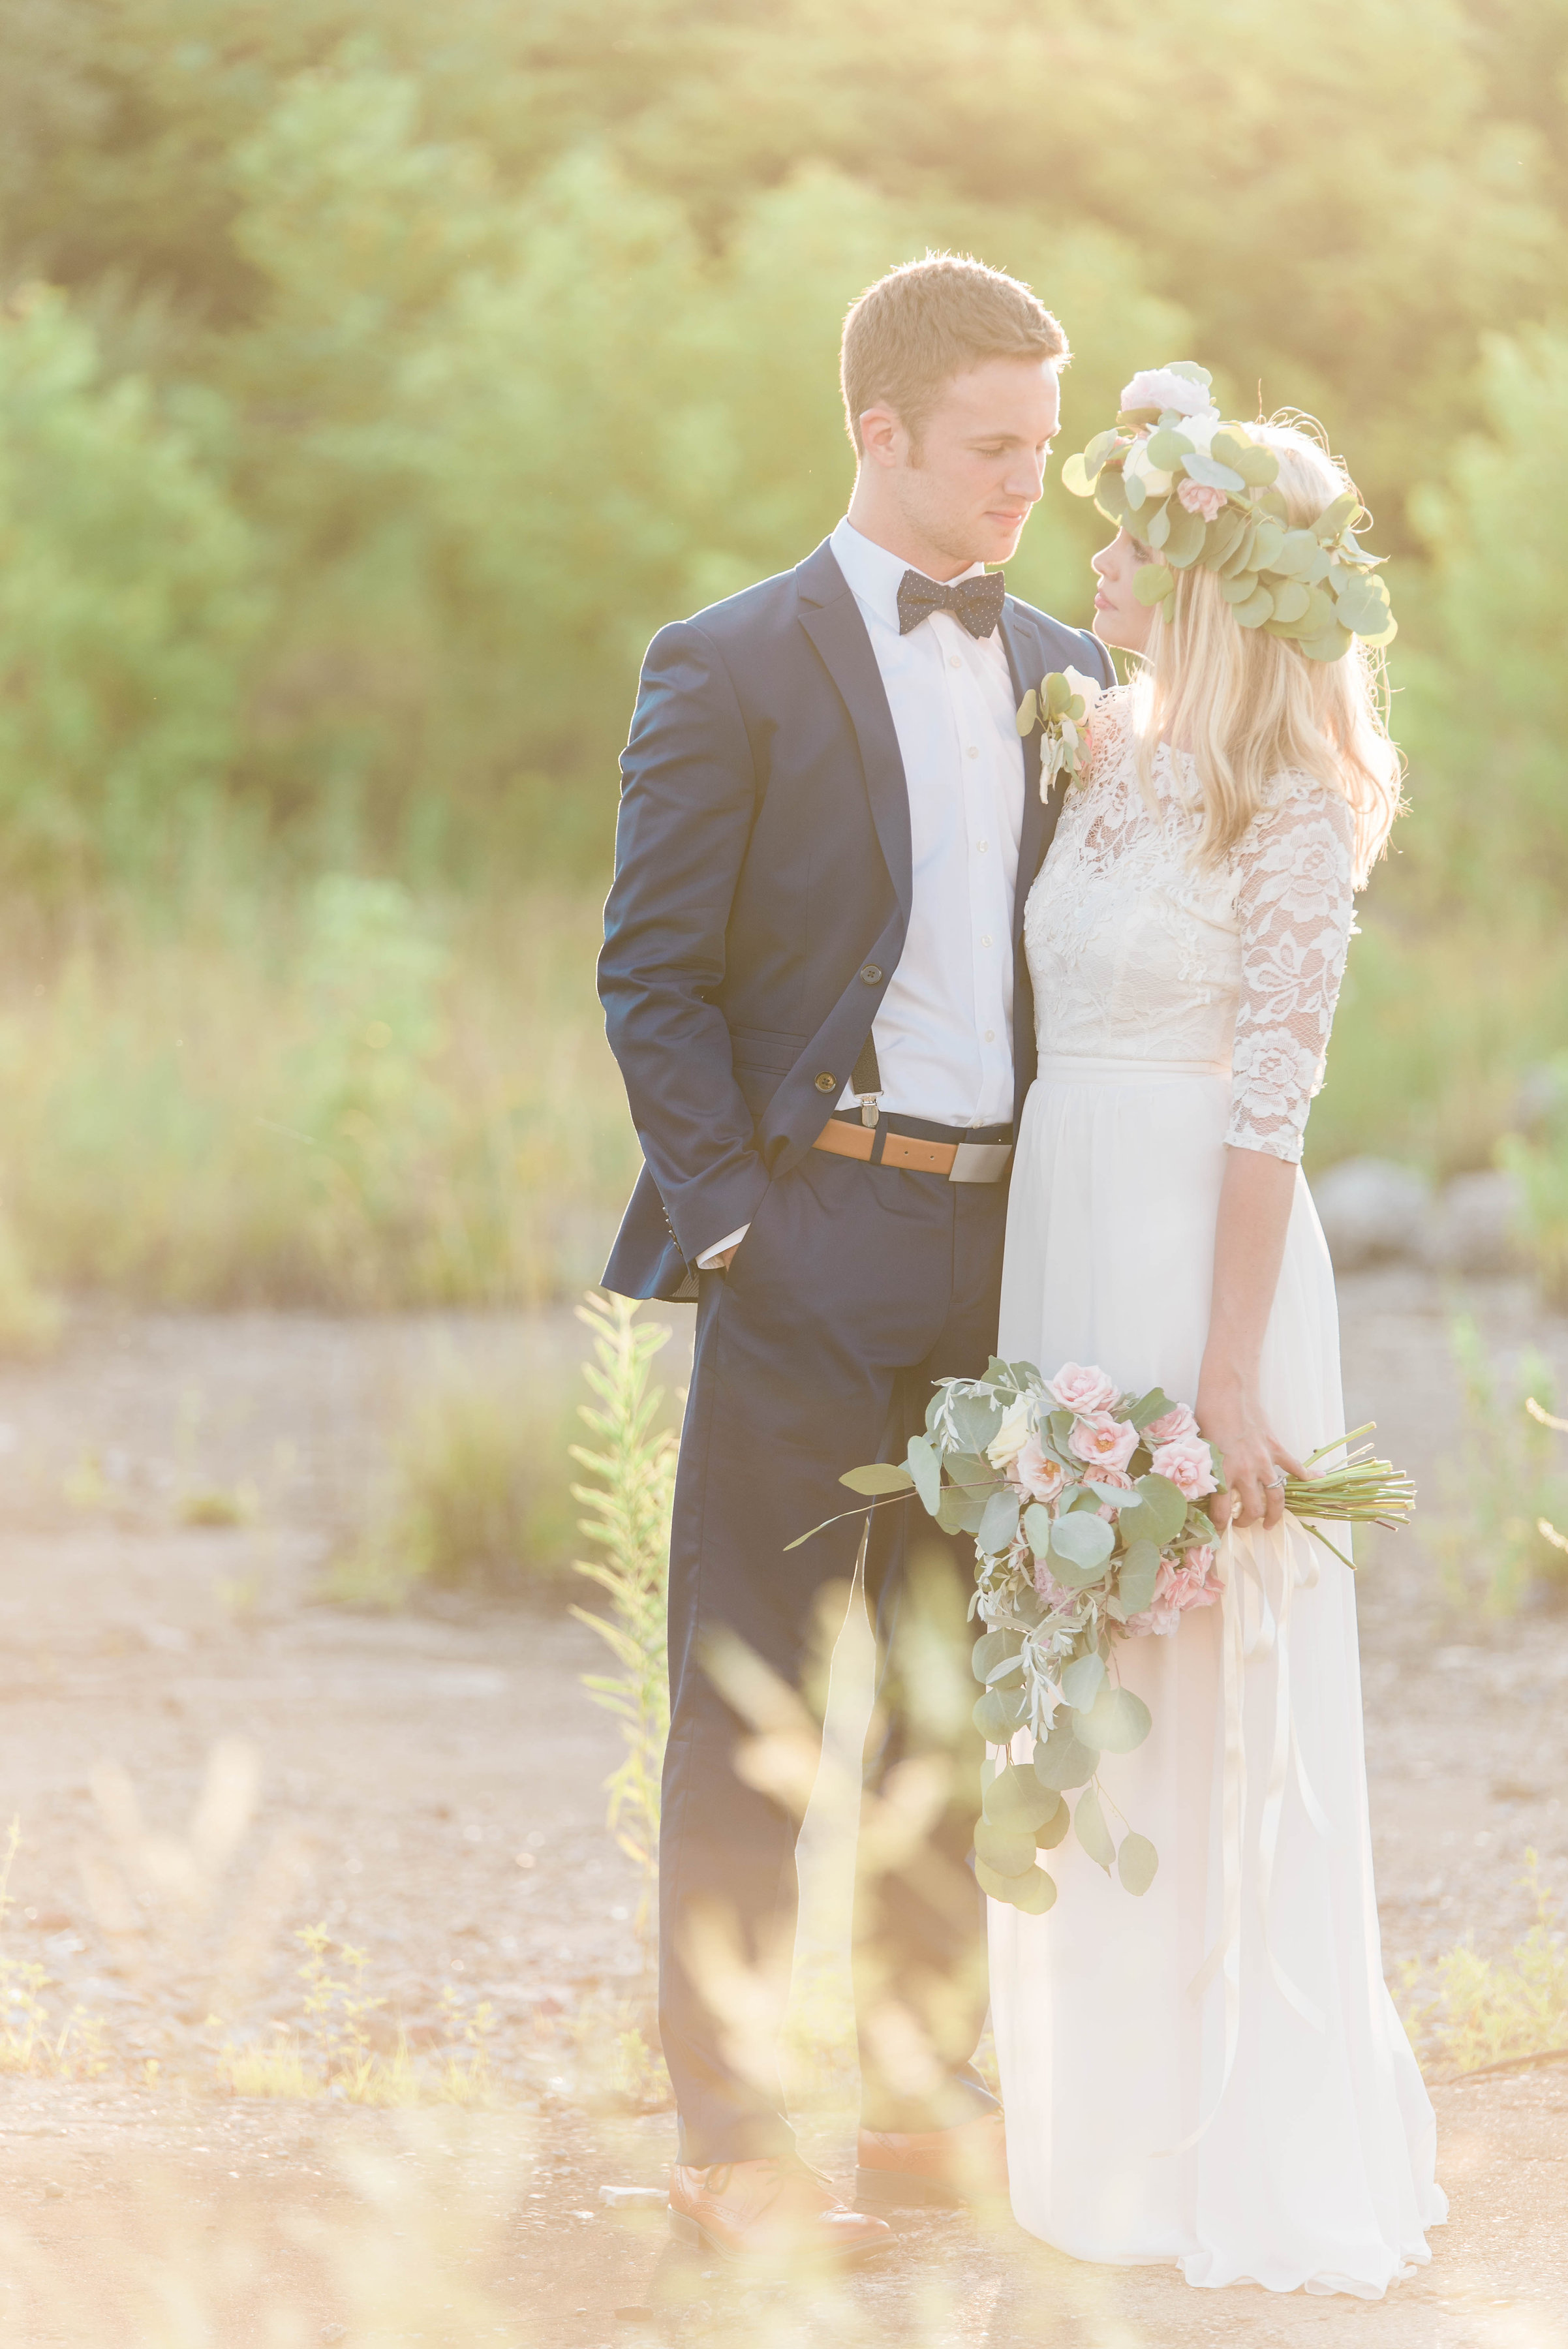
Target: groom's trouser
855, 1289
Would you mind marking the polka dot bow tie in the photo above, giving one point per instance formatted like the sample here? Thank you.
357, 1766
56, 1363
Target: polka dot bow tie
976, 604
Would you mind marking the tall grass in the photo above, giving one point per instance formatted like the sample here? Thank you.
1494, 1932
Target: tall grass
356, 1098
353, 1096
1502, 1490
628, 1503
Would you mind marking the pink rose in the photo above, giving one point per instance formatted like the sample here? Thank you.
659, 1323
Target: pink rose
1078, 1389
1200, 498
1041, 1476
1103, 1439
1188, 1465
1050, 1592
1174, 1427
1193, 1583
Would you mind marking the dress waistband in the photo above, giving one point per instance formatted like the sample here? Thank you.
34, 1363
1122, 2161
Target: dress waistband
1094, 1069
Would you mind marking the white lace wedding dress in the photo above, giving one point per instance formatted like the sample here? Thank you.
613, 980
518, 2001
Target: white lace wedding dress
1212, 2074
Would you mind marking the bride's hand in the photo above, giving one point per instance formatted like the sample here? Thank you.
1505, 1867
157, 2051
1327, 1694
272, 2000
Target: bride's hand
1231, 1416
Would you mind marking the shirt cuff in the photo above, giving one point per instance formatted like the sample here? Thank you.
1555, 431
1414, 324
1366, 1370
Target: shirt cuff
709, 1259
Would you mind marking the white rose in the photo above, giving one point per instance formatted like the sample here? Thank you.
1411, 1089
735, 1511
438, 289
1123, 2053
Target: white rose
1017, 1427
1155, 481
1161, 387
1089, 686
1201, 429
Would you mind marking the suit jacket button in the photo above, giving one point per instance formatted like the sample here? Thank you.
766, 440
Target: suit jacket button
872, 975
826, 1083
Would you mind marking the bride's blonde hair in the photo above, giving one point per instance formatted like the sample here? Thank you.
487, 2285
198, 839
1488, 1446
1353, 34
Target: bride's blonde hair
1249, 707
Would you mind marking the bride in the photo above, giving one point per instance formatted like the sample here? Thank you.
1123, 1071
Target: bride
1214, 2075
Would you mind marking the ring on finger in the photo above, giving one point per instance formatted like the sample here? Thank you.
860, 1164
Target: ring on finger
1276, 1483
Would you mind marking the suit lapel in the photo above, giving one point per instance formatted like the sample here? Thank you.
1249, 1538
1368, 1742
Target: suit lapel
1023, 659
831, 618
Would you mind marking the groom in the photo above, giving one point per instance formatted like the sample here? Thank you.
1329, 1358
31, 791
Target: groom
815, 984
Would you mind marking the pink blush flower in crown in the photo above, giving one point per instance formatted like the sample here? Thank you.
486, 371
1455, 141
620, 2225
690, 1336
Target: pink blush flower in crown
1201, 498
1189, 1464
1079, 1388
1104, 1441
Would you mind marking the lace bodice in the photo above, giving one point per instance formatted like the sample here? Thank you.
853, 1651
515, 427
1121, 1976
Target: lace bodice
1138, 952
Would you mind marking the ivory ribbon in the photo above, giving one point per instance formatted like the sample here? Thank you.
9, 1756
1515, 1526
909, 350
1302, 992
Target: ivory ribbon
1254, 1624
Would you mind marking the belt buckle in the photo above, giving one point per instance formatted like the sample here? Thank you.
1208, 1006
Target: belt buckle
979, 1162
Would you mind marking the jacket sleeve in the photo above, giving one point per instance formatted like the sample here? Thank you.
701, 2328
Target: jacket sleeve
688, 802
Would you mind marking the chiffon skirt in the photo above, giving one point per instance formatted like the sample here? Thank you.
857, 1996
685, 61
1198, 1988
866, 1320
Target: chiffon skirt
1214, 2074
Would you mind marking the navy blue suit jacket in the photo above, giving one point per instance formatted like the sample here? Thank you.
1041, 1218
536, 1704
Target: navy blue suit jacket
762, 871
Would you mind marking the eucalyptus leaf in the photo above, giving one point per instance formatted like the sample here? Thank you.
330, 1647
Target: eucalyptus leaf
1229, 448
1291, 597
1055, 1828
1258, 467
1034, 1893
1028, 713
877, 1476
1082, 1681
993, 1648
1168, 447
1110, 495
1019, 1800
1211, 473
1272, 501
1332, 645
975, 1420
925, 1469
1076, 478
1266, 545
1156, 529
1237, 589
1100, 448
1037, 1528
1299, 550
997, 1527
1152, 582
1257, 608
1062, 1760
958, 1511
1149, 1407
1161, 1513
1089, 1826
1001, 1848
1239, 558
1137, 1576
1028, 1604
1084, 1543
1136, 1863
1135, 489
1116, 1722
1223, 536
1000, 1714
1336, 518
1185, 535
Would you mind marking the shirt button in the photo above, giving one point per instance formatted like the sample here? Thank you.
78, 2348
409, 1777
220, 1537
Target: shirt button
872, 974
953, 661
972, 752
825, 1083
991, 1035
980, 846
985, 942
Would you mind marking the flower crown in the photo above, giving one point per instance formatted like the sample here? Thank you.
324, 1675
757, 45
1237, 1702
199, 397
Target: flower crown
1197, 490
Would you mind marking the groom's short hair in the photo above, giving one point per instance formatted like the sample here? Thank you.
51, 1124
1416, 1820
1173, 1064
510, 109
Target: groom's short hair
929, 321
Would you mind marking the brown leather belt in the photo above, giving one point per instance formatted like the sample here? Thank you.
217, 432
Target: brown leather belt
961, 1162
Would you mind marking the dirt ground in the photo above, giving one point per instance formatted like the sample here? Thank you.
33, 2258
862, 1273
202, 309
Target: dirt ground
204, 1761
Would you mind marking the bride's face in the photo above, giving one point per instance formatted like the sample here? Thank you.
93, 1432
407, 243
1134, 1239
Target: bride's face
1119, 619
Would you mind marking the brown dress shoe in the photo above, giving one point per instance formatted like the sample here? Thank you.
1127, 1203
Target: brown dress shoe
776, 2212
940, 2168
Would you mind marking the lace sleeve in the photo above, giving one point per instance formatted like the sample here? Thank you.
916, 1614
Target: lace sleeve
1296, 902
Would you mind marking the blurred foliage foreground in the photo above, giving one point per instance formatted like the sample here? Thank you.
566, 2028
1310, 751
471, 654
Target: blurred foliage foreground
375, 380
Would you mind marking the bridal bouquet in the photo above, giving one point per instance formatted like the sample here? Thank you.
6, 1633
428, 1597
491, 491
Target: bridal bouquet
1086, 1508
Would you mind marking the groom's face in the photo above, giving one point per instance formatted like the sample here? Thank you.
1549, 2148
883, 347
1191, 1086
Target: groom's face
966, 484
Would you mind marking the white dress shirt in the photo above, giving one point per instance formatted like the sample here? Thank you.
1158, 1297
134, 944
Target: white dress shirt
944, 1027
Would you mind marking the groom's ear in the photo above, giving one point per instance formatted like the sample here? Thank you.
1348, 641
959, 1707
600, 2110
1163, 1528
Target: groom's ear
883, 440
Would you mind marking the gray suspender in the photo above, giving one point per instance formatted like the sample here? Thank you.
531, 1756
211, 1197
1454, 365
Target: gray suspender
866, 1080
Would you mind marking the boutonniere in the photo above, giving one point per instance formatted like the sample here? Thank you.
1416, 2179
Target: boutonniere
1060, 705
